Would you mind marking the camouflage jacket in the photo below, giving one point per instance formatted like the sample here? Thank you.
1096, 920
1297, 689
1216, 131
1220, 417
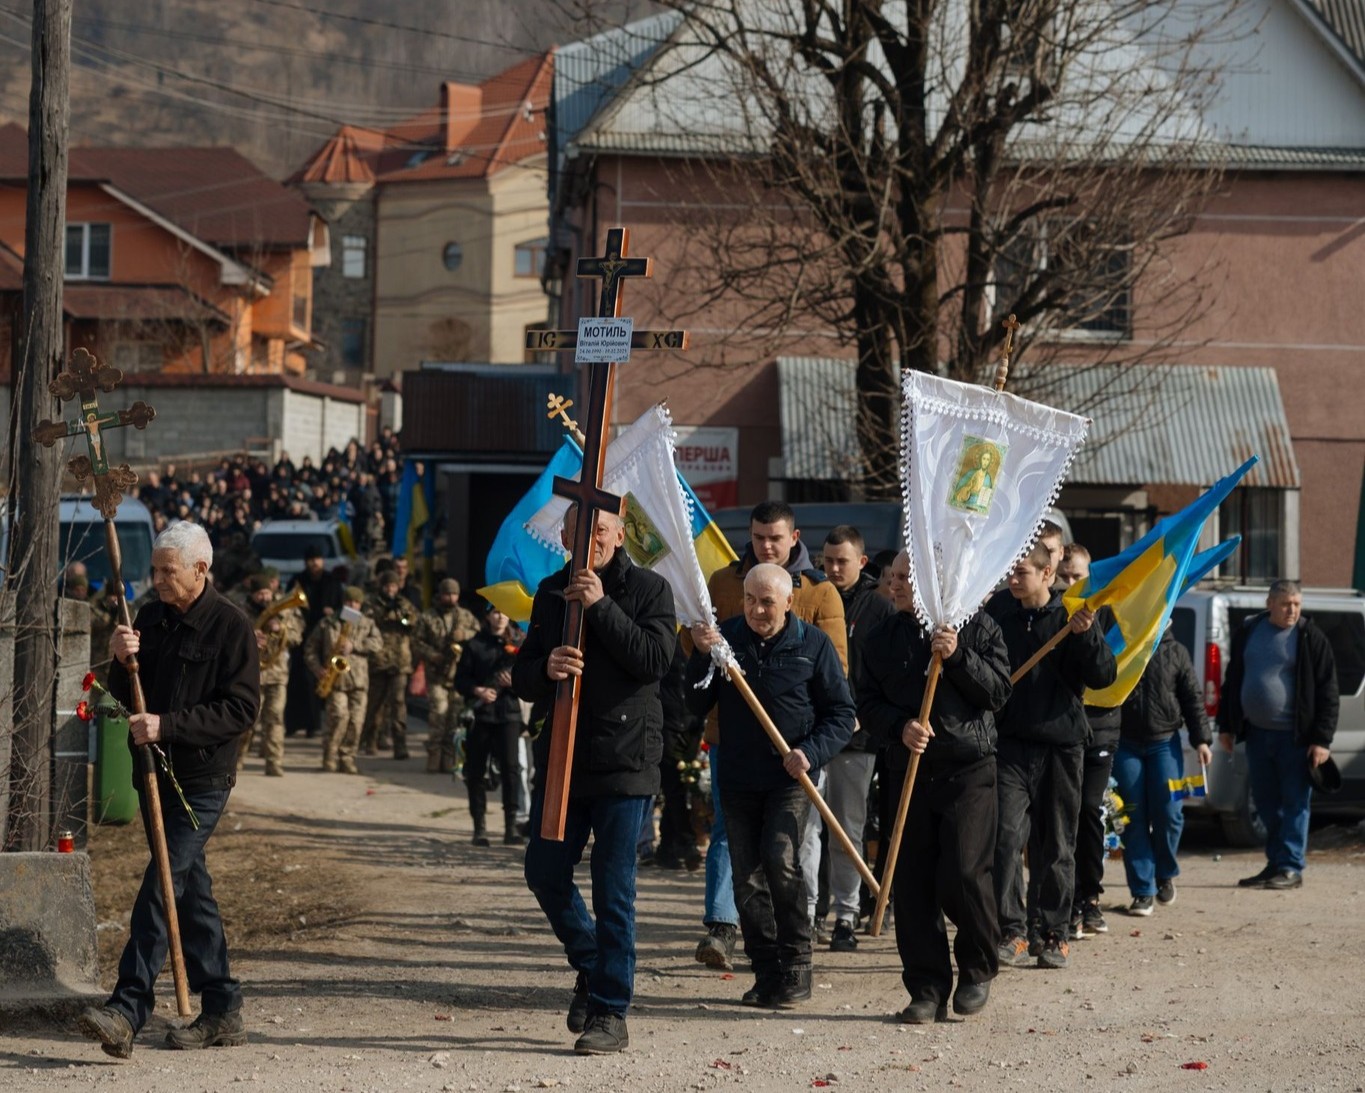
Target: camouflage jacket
365, 643
434, 635
394, 619
291, 623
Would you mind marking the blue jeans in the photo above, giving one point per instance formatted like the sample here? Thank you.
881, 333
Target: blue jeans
603, 950
201, 927
1143, 773
720, 885
1281, 790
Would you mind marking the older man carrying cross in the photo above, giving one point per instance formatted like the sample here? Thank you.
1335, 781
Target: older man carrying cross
628, 646
795, 671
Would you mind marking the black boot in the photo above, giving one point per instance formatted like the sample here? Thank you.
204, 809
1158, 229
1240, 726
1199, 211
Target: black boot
510, 835
480, 833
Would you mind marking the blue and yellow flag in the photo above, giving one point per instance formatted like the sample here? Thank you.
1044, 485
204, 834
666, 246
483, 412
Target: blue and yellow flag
412, 521
1192, 785
517, 561
1140, 586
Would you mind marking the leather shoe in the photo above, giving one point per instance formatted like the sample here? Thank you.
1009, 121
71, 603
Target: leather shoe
971, 998
1284, 880
1258, 881
578, 1005
765, 989
923, 1013
605, 1035
110, 1028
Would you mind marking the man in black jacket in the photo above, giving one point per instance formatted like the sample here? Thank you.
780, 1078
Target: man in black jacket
948, 846
1280, 695
629, 634
795, 672
848, 777
1043, 732
199, 668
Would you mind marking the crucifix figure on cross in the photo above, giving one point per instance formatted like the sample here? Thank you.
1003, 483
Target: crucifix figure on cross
587, 492
83, 377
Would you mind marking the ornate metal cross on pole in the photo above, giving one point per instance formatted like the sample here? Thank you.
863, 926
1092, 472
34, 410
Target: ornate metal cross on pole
588, 494
85, 375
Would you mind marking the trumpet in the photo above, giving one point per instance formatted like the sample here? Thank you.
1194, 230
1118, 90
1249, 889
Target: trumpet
274, 643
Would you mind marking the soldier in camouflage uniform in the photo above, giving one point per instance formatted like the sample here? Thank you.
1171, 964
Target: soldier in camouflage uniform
346, 704
386, 717
436, 639
286, 629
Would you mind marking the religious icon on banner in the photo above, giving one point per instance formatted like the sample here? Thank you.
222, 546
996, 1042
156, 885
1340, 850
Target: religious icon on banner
644, 544
978, 470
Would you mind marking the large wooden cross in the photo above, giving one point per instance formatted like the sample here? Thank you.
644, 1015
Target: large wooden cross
86, 374
588, 494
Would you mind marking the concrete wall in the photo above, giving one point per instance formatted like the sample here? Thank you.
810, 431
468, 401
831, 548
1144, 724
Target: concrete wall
311, 425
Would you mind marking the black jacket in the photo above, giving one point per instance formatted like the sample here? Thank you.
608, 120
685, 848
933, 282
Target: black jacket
1045, 706
798, 680
201, 672
974, 685
864, 608
1316, 695
484, 656
629, 637
1166, 697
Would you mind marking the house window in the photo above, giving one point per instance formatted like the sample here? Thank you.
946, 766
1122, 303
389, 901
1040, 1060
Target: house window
353, 256
353, 343
1257, 516
1071, 263
530, 258
88, 249
452, 256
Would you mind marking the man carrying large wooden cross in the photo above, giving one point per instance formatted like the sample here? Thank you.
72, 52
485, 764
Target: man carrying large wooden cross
601, 637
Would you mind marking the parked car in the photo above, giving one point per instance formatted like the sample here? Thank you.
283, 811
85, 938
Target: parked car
1204, 620
880, 523
282, 544
80, 538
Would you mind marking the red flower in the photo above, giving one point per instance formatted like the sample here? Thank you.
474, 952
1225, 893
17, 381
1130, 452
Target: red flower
88, 681
84, 712
510, 650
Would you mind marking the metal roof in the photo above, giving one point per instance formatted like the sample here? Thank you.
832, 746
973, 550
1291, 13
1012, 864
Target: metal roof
1346, 20
1169, 425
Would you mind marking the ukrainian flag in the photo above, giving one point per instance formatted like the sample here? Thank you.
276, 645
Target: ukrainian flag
412, 520
518, 561
1190, 786
1140, 586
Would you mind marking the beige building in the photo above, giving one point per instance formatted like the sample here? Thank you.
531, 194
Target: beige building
439, 229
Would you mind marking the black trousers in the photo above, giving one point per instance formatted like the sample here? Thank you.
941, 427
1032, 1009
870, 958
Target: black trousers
487, 738
1038, 787
1098, 765
764, 829
945, 867
677, 841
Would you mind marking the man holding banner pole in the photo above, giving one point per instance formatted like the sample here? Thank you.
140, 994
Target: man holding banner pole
948, 846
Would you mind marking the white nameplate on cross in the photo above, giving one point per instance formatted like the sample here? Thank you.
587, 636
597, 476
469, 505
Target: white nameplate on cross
603, 341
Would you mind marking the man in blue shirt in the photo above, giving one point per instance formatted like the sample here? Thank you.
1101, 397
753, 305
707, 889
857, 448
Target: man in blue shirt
1280, 696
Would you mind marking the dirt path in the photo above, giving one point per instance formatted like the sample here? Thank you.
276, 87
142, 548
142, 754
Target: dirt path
422, 963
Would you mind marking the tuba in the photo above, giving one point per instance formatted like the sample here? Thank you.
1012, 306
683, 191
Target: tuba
274, 643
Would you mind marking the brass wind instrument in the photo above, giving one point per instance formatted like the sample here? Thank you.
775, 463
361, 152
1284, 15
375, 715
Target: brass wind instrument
336, 663
274, 643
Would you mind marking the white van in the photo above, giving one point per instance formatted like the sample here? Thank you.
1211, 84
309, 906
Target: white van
80, 538
281, 545
1204, 621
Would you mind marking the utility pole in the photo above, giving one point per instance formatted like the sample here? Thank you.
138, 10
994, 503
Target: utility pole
36, 481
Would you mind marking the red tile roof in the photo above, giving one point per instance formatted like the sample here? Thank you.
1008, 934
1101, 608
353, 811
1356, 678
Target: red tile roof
445, 142
214, 194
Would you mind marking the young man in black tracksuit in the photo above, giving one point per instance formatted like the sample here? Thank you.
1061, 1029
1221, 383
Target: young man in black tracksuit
947, 849
1043, 734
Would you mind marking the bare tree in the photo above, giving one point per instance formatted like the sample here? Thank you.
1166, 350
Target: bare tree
902, 174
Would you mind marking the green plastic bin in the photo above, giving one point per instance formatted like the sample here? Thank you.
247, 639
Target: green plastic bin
115, 798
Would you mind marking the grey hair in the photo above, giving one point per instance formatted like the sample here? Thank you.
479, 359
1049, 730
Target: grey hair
769, 575
1285, 588
187, 539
